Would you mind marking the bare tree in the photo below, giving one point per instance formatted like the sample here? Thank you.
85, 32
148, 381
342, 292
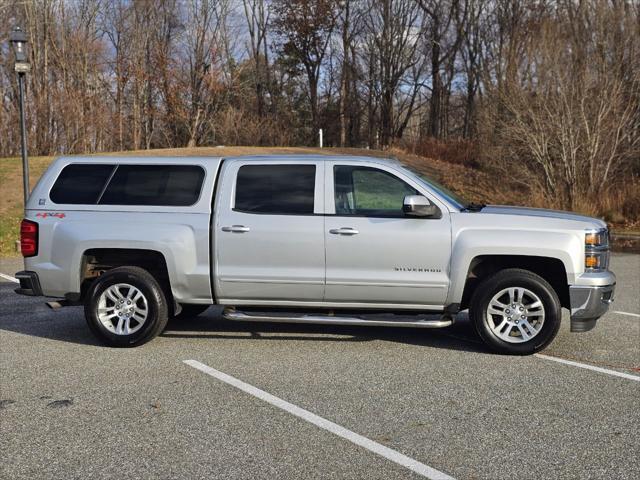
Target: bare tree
392, 27
257, 16
204, 21
305, 27
567, 119
444, 36
350, 28
471, 23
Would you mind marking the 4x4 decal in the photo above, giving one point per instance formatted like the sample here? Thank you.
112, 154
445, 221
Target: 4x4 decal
48, 214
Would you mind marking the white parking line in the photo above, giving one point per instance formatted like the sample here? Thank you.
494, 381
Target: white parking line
627, 313
590, 367
375, 447
10, 278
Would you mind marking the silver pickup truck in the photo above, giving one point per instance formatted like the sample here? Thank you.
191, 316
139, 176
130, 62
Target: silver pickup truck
303, 239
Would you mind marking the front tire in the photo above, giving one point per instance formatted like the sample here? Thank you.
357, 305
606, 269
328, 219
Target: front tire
516, 312
126, 307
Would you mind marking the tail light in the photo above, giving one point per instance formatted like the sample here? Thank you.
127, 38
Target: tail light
29, 238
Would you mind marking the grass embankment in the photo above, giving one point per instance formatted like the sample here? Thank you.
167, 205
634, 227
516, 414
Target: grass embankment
11, 198
475, 184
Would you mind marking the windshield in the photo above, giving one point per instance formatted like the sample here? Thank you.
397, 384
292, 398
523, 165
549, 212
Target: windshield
457, 200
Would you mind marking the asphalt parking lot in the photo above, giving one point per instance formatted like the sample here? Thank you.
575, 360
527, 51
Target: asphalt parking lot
70, 408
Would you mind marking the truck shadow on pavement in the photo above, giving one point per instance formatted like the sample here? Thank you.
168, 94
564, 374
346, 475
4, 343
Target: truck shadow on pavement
460, 336
33, 318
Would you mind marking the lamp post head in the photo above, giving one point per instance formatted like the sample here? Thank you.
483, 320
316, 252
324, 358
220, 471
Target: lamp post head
19, 42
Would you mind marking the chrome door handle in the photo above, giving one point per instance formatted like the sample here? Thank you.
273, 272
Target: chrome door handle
344, 231
236, 229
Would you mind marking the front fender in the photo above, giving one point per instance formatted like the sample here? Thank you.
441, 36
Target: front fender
474, 242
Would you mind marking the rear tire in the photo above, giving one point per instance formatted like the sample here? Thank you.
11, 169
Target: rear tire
126, 307
516, 312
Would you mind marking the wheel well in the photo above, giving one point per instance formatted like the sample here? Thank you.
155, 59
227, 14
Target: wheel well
96, 261
551, 269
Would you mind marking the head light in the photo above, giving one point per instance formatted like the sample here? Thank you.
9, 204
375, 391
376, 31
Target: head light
596, 250
596, 262
596, 238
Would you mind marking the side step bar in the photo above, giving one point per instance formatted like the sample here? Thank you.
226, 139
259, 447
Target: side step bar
231, 314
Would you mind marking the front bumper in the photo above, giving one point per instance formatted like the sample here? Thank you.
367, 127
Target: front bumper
588, 303
29, 284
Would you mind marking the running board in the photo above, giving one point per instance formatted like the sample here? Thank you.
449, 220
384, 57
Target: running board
231, 314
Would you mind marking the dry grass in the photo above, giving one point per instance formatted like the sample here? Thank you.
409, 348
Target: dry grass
11, 180
457, 151
619, 207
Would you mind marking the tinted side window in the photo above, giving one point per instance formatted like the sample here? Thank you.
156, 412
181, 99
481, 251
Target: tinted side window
167, 185
366, 191
80, 184
276, 189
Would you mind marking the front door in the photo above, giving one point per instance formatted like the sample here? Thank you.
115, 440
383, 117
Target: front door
269, 232
376, 254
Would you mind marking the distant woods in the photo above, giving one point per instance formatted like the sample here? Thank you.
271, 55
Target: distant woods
548, 91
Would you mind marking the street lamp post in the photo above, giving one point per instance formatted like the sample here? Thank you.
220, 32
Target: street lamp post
19, 41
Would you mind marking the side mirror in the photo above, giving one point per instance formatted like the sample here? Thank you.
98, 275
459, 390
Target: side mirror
419, 206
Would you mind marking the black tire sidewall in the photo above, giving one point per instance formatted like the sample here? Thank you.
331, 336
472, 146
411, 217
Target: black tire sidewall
155, 301
532, 282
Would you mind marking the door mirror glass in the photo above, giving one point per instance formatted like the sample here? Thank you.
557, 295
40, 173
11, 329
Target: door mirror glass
419, 206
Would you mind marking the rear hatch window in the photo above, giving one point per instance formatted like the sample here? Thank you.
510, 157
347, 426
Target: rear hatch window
80, 184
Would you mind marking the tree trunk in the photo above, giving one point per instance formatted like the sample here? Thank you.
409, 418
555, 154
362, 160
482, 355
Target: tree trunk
386, 114
194, 130
436, 85
313, 103
344, 80
469, 108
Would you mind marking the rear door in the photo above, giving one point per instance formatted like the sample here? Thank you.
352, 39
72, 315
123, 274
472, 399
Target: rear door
269, 232
376, 254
